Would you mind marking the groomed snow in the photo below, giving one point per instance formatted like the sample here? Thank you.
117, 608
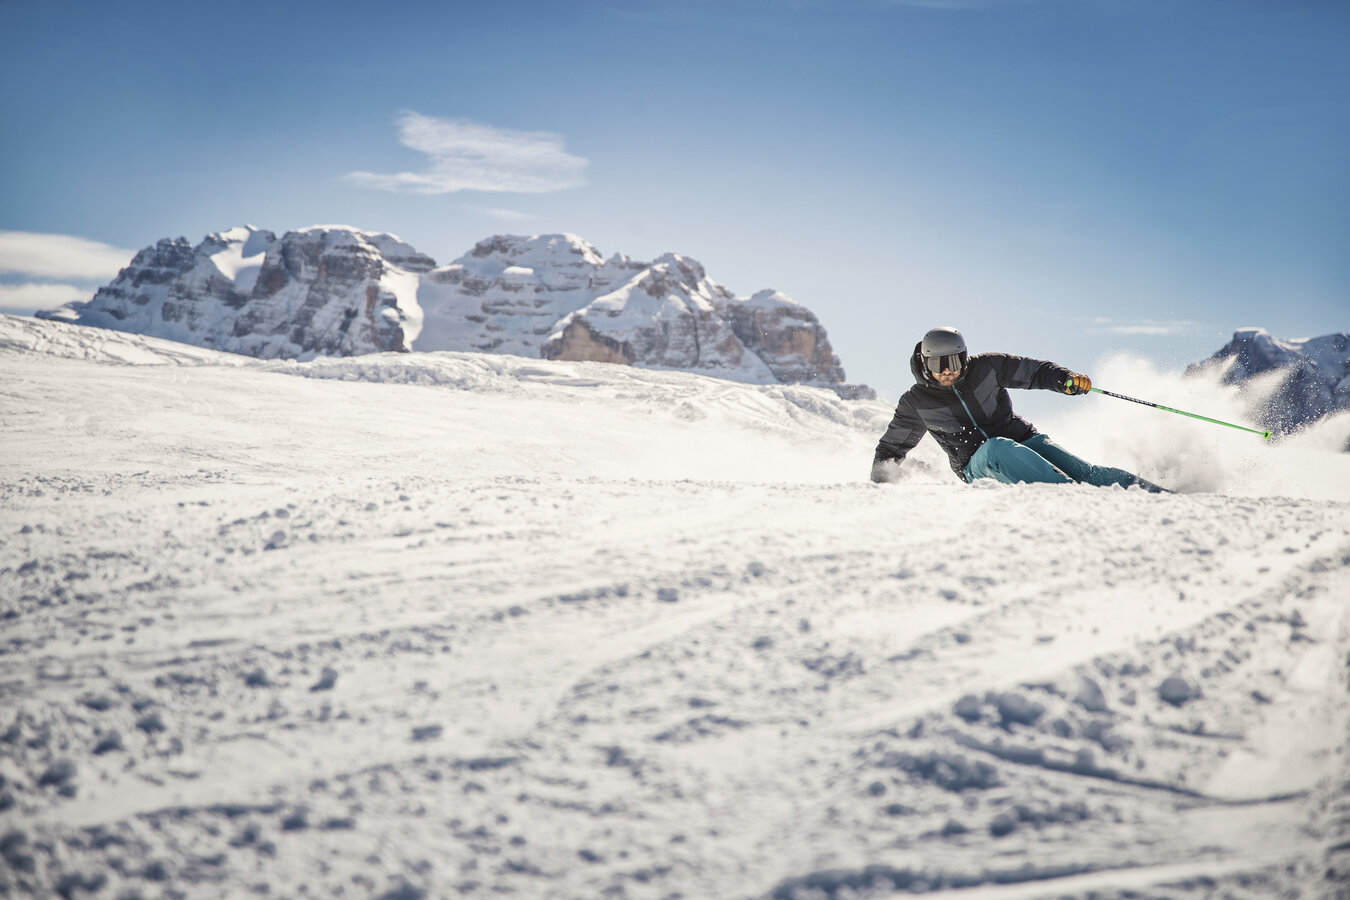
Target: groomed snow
448, 624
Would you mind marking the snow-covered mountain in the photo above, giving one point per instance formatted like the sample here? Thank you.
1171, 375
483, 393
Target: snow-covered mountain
338, 291
1288, 383
422, 625
321, 291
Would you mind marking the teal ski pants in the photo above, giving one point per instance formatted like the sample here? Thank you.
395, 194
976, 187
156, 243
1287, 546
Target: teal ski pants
1040, 459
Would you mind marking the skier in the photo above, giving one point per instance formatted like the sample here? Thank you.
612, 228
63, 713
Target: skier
963, 402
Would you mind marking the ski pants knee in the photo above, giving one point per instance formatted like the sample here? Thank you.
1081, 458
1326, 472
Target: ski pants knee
1005, 460
1039, 459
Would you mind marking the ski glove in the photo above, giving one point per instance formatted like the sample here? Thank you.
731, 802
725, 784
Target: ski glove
1077, 384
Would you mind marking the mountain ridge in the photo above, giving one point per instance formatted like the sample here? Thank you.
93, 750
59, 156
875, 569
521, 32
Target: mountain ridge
335, 290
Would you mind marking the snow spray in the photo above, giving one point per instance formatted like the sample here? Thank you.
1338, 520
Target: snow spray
1171, 451
1264, 434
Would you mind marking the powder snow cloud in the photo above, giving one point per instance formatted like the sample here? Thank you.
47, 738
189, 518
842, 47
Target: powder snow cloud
465, 155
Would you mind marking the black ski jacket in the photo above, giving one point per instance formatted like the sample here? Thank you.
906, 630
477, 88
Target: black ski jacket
972, 411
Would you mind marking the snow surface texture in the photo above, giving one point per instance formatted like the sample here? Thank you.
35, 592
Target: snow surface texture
450, 624
336, 291
1294, 382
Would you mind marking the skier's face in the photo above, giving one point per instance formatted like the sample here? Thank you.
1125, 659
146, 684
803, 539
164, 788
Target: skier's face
947, 377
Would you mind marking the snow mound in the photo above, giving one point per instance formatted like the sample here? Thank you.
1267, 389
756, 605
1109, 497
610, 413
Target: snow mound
709, 427
31, 338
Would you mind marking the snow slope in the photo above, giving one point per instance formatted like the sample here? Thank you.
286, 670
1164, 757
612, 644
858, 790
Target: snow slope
447, 624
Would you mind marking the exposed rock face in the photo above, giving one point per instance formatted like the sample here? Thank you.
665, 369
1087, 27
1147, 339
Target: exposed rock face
508, 294
555, 296
670, 315
315, 292
1294, 382
332, 291
787, 336
579, 342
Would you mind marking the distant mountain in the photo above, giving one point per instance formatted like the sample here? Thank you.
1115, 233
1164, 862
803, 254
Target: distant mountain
339, 291
1295, 382
322, 291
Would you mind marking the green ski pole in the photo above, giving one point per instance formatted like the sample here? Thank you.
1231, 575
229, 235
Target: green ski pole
1265, 435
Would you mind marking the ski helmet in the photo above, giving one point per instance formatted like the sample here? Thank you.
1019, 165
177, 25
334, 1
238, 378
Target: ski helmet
943, 348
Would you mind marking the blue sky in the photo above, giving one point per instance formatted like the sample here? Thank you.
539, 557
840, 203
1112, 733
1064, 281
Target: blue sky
1058, 178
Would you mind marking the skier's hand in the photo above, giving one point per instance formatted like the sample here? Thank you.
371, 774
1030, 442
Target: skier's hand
1077, 384
884, 470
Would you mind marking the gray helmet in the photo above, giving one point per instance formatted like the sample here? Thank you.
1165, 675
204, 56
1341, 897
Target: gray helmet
943, 348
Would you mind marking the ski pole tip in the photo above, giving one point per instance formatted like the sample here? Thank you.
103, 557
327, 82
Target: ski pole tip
1266, 436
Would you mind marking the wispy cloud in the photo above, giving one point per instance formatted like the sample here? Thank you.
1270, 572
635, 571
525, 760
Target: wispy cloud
1146, 327
59, 256
505, 215
465, 155
41, 296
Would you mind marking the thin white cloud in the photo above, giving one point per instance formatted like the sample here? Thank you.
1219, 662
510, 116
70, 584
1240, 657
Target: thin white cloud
468, 156
41, 296
59, 256
1145, 327
505, 215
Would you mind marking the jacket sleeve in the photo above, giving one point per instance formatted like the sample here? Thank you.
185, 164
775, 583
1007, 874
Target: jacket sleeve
1024, 372
905, 431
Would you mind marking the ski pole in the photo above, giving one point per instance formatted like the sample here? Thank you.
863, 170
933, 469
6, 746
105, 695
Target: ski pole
1265, 435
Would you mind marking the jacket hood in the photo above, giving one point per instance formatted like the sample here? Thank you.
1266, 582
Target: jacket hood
916, 364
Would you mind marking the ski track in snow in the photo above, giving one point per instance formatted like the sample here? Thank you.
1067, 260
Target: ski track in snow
441, 625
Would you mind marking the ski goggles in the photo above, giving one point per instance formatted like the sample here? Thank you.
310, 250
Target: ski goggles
952, 362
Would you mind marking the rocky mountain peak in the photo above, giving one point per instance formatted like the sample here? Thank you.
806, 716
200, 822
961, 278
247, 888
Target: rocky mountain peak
322, 291
251, 239
517, 250
333, 290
